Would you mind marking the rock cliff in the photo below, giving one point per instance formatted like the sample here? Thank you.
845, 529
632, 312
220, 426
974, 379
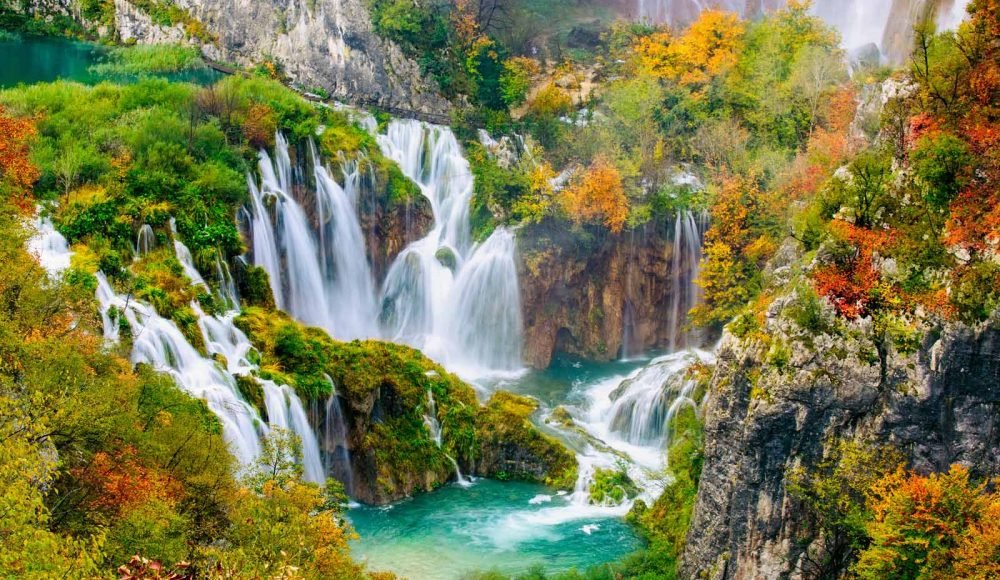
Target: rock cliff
598, 295
781, 396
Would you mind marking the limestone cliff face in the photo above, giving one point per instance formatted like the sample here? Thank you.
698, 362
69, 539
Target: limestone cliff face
597, 295
328, 44
938, 405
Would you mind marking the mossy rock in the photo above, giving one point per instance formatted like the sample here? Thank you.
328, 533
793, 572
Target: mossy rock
511, 445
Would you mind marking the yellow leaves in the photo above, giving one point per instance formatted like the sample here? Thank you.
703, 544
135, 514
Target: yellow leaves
708, 48
536, 204
597, 194
551, 101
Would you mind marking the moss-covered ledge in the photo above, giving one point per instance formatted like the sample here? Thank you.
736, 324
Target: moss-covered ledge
384, 391
511, 447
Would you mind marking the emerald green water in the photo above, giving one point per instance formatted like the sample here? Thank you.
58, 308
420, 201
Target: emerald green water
487, 526
508, 527
42, 59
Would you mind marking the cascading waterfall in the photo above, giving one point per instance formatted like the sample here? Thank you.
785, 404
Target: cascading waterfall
320, 275
49, 247
644, 405
158, 342
343, 262
458, 302
284, 410
684, 268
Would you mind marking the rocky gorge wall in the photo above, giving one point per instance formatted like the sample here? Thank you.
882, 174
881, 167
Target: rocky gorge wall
597, 295
767, 412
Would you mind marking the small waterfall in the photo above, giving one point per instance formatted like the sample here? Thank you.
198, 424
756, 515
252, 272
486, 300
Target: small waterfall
185, 258
145, 240
434, 427
336, 450
227, 286
265, 246
684, 268
285, 411
643, 406
431, 420
49, 247
158, 342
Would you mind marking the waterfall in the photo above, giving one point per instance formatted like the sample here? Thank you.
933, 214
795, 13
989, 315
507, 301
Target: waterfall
684, 268
643, 406
185, 258
458, 303
285, 411
320, 274
434, 427
336, 450
484, 325
348, 278
49, 247
158, 342
145, 240
431, 420
227, 286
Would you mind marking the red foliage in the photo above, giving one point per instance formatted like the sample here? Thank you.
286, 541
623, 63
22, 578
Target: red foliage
850, 283
121, 482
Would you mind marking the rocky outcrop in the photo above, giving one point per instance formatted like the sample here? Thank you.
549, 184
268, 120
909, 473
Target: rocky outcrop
318, 44
597, 295
511, 447
782, 395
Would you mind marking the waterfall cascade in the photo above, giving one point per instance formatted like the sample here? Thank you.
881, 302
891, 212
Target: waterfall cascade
684, 267
335, 447
160, 343
457, 301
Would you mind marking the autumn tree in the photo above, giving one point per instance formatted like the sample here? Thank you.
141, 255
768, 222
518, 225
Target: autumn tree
706, 49
597, 194
937, 526
16, 169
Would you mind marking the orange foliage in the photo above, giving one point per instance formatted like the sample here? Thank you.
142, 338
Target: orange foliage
827, 149
122, 483
936, 526
15, 167
706, 49
597, 194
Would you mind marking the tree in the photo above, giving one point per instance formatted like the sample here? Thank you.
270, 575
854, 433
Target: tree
708, 48
930, 527
597, 194
16, 168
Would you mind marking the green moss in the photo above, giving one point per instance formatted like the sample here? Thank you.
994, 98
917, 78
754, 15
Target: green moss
253, 392
503, 422
612, 486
